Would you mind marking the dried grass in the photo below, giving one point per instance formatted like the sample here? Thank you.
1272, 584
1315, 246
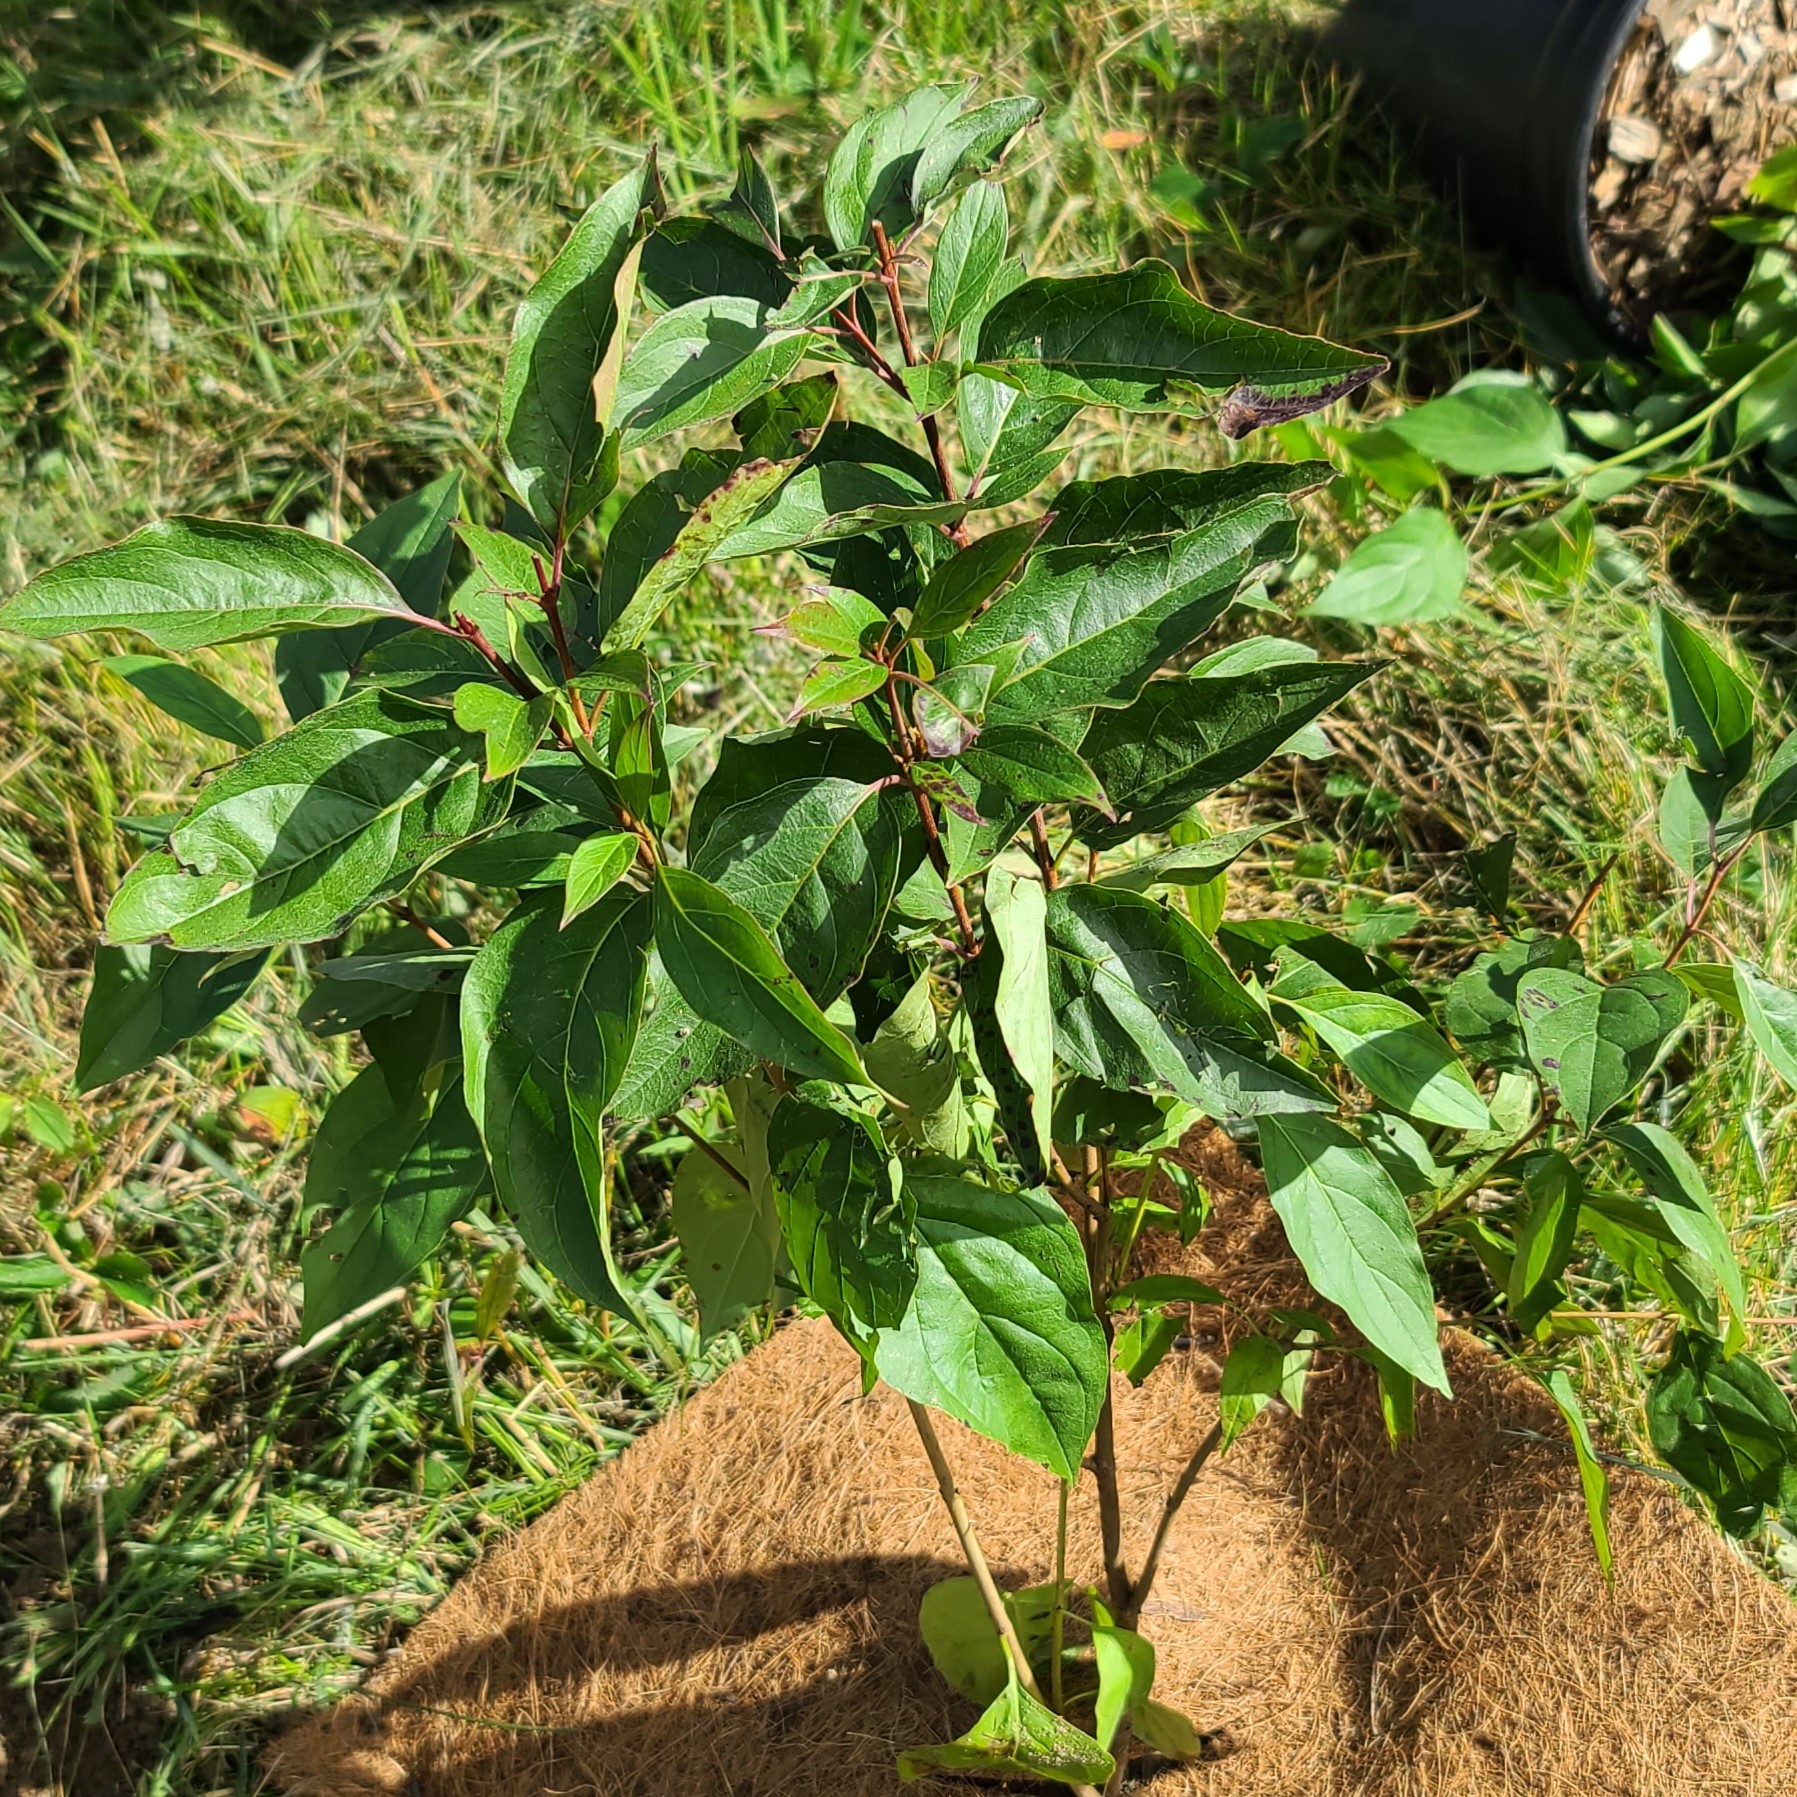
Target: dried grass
731, 1605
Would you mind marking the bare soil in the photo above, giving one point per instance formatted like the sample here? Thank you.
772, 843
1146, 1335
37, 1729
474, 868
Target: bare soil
730, 1606
1704, 92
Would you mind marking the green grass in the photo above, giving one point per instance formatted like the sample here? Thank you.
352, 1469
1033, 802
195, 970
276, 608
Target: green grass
254, 267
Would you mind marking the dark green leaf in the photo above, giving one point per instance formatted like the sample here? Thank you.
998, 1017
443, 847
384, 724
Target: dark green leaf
1141, 998
815, 863
1481, 1003
1140, 1346
697, 541
548, 1019
1488, 865
410, 543
1193, 865
1033, 766
1098, 612
1594, 1044
729, 1238
729, 971
1182, 740
566, 342
845, 1214
292, 841
188, 582
1712, 706
1138, 340
675, 1051
1347, 1223
751, 765
688, 259
398, 1161
969, 578
1000, 1333
189, 697
360, 989
1727, 1427
1775, 806
752, 210
145, 1001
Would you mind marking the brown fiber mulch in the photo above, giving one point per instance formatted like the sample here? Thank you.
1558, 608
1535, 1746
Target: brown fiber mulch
730, 1606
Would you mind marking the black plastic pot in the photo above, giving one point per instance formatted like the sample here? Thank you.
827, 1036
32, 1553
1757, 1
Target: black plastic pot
1506, 96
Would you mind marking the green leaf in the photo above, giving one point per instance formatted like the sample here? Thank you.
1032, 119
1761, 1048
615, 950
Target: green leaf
1016, 1736
836, 683
839, 623
1724, 1424
1100, 609
1776, 183
969, 254
188, 582
729, 1238
1167, 1732
1252, 1377
1347, 1223
511, 727
741, 495
970, 577
963, 1645
708, 359
751, 765
1554, 1192
1770, 1013
1594, 1044
1491, 427
815, 863
1141, 998
686, 259
1033, 766
1694, 827
410, 543
360, 989
1683, 1201
566, 341
870, 173
145, 1001
1137, 340
291, 842
594, 869
1165, 1288
729, 971
844, 1211
1593, 1479
548, 1019
1775, 806
1016, 920
1397, 1055
912, 1061
188, 697
675, 1051
1481, 1003
1712, 706
1194, 864
1412, 570
1000, 1333
1125, 1677
399, 1161
1183, 740
1140, 1346
968, 144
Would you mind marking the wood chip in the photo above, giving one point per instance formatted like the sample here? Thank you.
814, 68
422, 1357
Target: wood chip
1634, 139
1695, 51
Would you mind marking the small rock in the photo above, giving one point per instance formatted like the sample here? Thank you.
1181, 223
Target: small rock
1785, 91
1634, 139
1695, 51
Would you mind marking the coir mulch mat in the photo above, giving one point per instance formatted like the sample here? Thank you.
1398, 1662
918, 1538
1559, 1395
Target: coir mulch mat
731, 1605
